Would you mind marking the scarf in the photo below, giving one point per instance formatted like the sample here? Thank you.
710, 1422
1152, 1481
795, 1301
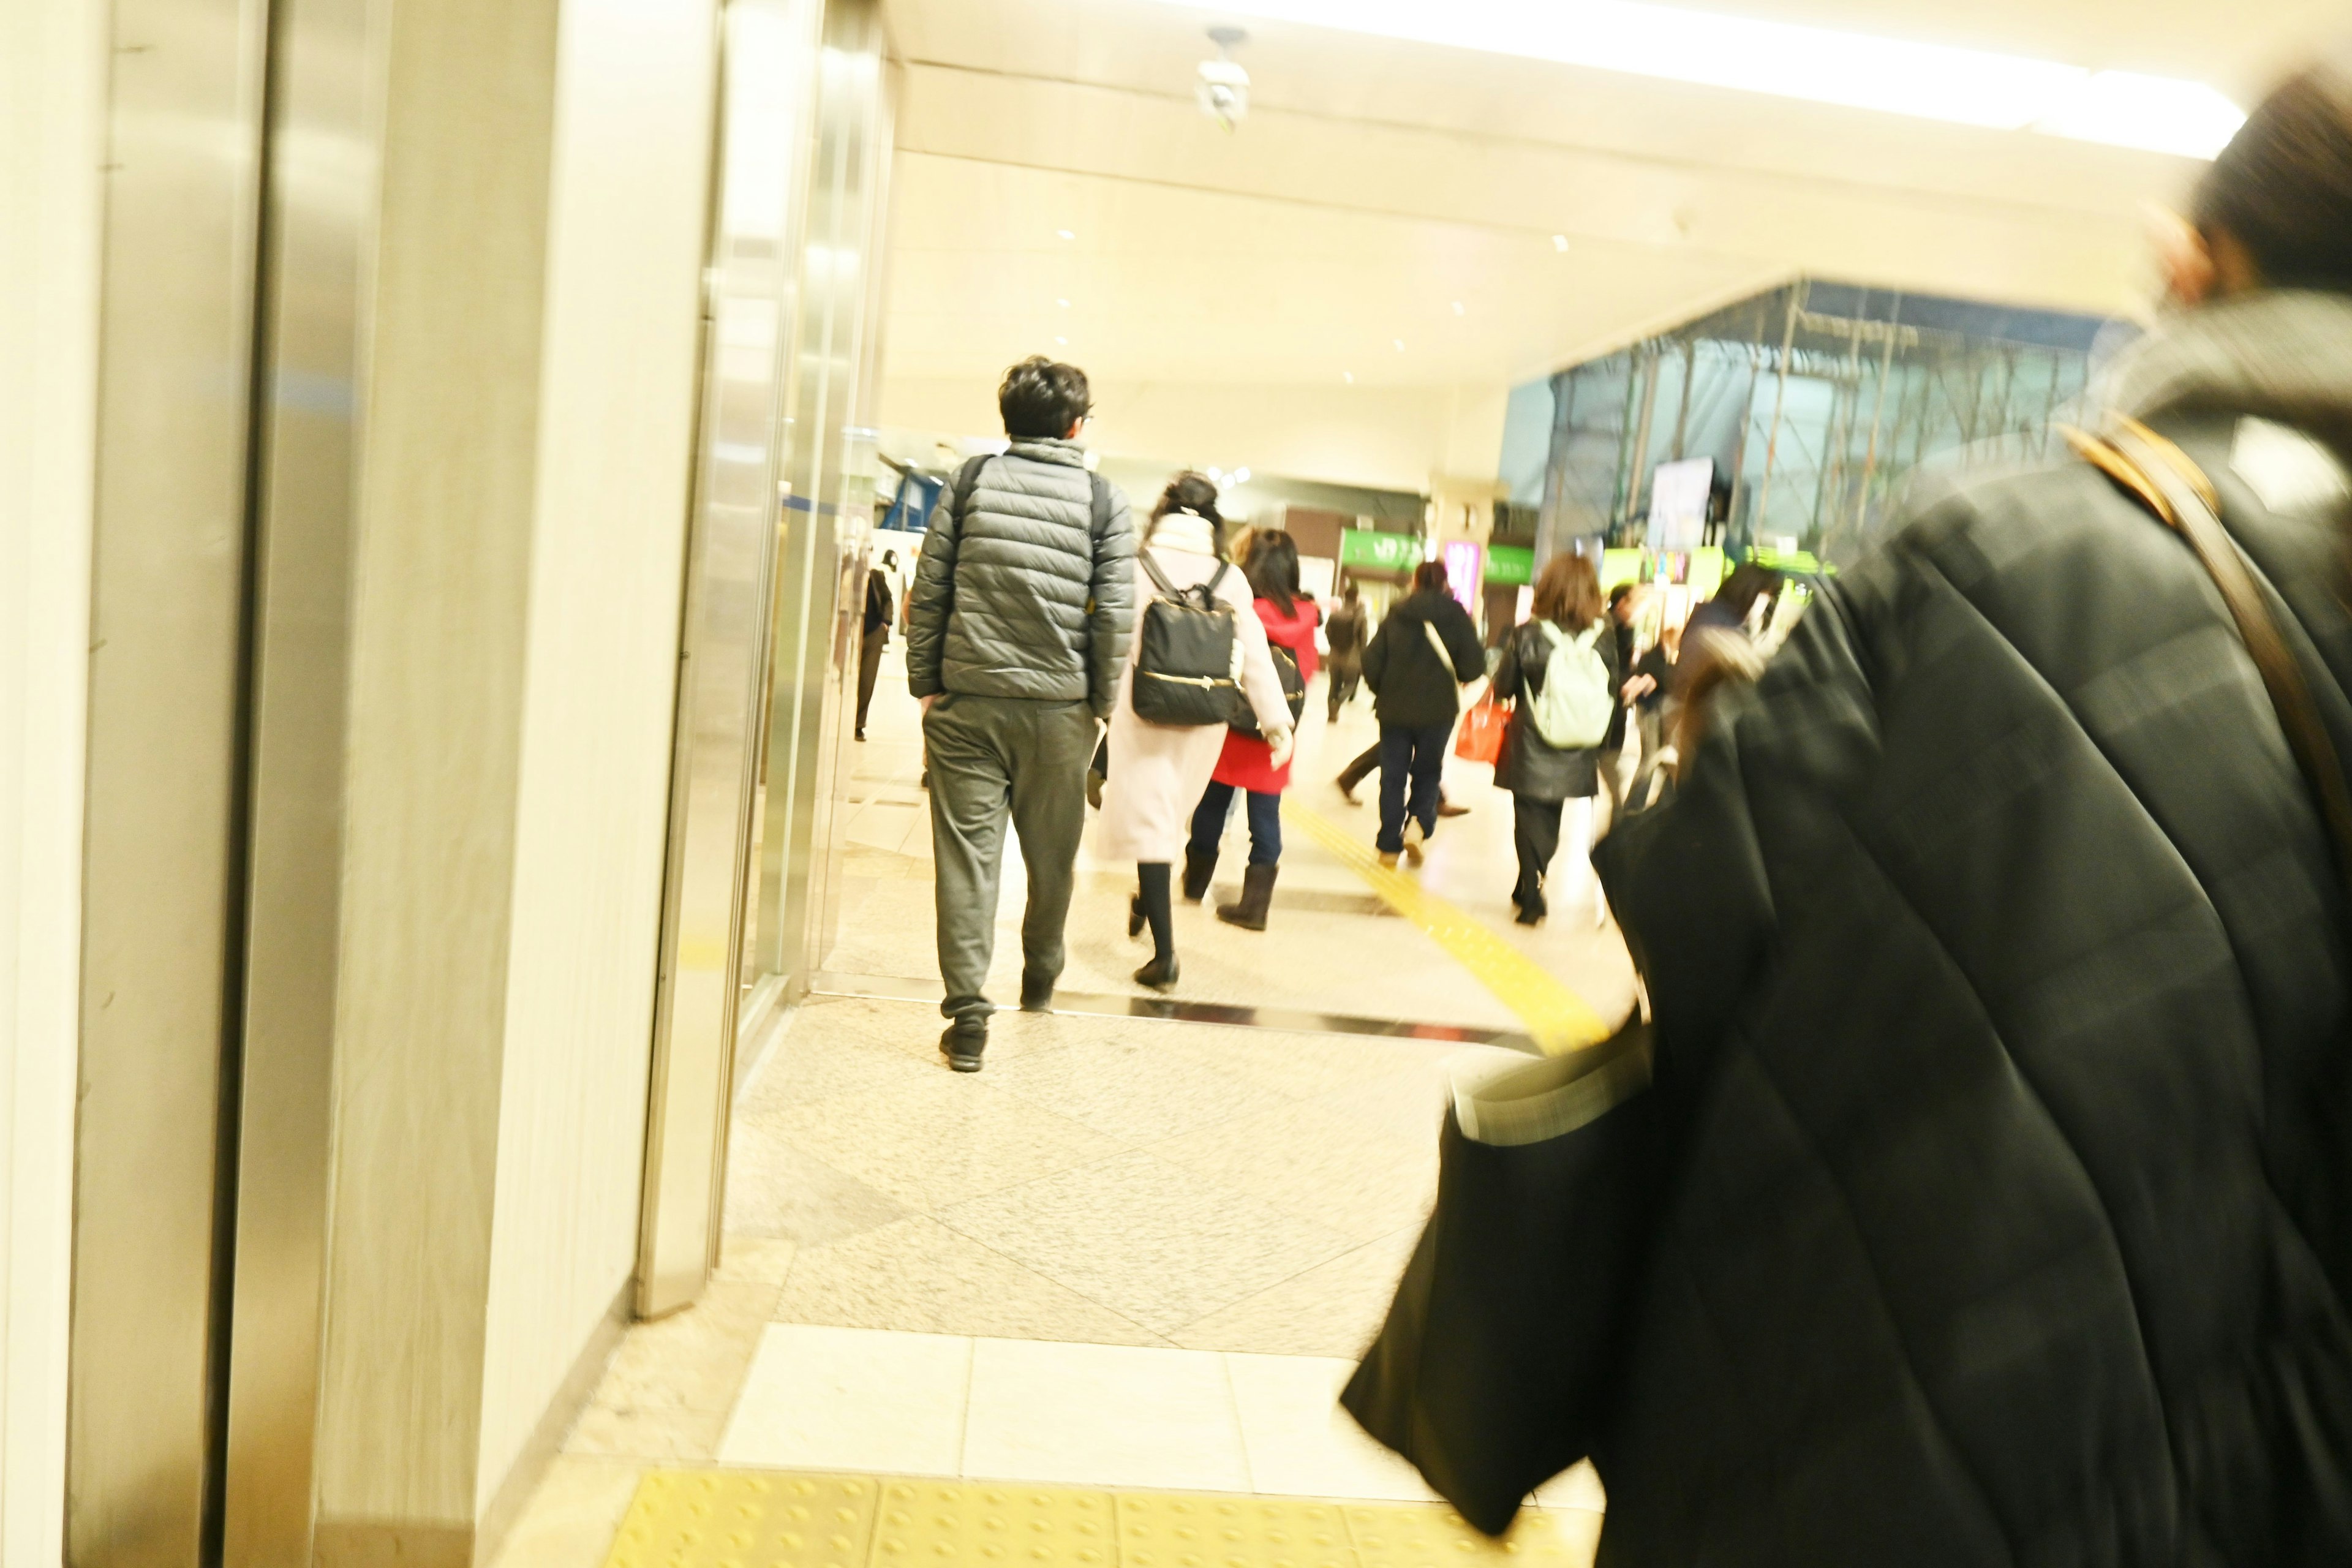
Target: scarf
1186, 532
2284, 355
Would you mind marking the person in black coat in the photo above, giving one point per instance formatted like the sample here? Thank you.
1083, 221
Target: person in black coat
2000, 965
1424, 653
1543, 778
873, 632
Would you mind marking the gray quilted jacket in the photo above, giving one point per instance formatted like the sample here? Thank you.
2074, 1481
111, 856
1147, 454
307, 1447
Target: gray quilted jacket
1031, 592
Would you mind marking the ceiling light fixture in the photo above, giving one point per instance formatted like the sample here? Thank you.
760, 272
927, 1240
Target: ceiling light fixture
1063, 342
1559, 242
1063, 303
1399, 344
1066, 234
1241, 475
1348, 376
1458, 309
1932, 81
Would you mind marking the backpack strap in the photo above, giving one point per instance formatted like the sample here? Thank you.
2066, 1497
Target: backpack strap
1151, 570
967, 479
1210, 588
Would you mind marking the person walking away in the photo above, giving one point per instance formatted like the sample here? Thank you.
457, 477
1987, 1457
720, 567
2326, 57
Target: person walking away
1424, 653
1345, 632
873, 639
1160, 770
1560, 673
1999, 955
1626, 601
1655, 686
1017, 631
1247, 762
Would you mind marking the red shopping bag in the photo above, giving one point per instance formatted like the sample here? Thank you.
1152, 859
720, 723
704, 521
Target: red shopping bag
1481, 740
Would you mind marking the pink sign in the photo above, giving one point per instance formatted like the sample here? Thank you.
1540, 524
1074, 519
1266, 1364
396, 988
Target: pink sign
1461, 561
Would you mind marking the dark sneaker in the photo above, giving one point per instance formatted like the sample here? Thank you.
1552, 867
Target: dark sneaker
961, 1045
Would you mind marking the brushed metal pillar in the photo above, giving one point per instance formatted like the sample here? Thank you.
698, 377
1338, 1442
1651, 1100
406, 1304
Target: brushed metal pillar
320, 186
766, 100
163, 854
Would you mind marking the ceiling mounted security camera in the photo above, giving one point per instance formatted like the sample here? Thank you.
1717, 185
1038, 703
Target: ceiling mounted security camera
1223, 88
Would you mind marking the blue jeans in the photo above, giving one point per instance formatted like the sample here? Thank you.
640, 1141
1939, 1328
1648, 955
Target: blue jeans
1413, 756
1265, 820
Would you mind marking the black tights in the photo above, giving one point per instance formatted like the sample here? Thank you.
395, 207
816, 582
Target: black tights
1152, 881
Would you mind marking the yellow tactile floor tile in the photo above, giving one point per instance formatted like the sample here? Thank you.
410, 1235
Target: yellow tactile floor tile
1421, 1536
1559, 1019
1165, 1530
757, 1519
740, 1519
988, 1524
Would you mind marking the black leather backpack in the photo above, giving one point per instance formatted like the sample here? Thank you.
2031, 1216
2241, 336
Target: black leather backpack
1184, 652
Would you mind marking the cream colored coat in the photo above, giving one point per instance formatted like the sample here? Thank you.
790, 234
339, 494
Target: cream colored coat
1158, 772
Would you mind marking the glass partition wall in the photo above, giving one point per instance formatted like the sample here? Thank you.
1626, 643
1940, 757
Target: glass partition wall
1808, 404
824, 529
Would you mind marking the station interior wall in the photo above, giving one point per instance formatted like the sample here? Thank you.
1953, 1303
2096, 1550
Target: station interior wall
53, 74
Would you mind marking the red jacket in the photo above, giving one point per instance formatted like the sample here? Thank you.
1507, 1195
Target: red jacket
1248, 760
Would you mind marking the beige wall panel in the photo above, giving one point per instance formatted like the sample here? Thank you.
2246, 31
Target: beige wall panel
52, 89
632, 143
442, 575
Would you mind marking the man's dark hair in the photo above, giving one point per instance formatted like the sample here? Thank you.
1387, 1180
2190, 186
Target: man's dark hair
1431, 575
2282, 187
1620, 593
1041, 399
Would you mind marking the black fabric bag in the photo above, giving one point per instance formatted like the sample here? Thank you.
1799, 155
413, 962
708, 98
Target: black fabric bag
1495, 1368
1294, 692
1184, 652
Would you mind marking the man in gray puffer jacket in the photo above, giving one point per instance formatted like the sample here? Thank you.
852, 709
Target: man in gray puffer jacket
1016, 633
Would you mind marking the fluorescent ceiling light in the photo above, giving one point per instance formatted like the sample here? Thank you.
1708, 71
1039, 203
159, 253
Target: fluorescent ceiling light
1559, 242
1932, 81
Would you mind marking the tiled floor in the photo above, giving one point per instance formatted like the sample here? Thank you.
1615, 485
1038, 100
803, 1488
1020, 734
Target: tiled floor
1132, 1253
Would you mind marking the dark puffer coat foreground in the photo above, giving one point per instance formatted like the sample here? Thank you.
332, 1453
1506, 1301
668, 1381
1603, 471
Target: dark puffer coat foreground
1997, 936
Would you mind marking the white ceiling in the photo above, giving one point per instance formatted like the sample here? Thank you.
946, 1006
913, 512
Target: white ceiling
1376, 183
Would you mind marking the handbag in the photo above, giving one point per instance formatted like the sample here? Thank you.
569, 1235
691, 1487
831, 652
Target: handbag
1483, 729
1496, 1363
1294, 692
1187, 653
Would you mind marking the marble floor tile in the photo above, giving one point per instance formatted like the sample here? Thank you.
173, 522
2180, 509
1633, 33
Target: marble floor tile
694, 1359
1411, 1105
918, 1275
852, 1399
1298, 1439
939, 1145
1339, 1171
1102, 1416
652, 1436
754, 1260
1130, 1088
829, 1049
1152, 1241
1330, 1310
572, 1517
1300, 1067
777, 1191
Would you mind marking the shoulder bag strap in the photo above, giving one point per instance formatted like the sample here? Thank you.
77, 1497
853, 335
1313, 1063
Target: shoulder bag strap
2169, 483
1216, 577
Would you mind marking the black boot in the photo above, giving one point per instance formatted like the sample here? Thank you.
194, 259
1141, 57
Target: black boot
1159, 974
1257, 892
962, 1043
1198, 869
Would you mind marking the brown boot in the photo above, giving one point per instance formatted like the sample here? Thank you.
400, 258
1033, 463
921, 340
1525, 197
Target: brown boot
1257, 893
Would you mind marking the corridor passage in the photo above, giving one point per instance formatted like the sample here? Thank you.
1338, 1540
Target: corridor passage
1132, 1261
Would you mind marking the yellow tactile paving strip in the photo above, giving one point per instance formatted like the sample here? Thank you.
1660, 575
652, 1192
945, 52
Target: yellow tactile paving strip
757, 1519
1559, 1018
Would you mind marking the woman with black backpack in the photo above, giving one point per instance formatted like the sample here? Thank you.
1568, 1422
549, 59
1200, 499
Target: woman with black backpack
1169, 727
1546, 761
1248, 763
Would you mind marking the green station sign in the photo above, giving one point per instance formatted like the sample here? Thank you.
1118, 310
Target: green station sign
1368, 550
1510, 565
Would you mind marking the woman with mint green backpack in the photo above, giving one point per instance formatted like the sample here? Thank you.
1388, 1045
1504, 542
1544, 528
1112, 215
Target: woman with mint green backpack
1559, 673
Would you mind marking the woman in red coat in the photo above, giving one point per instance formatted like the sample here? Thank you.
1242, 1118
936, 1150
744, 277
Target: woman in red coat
1248, 763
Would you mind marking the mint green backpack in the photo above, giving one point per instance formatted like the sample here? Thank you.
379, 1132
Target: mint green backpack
1573, 710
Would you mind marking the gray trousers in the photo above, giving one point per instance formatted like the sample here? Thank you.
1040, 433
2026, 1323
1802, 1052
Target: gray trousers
991, 758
